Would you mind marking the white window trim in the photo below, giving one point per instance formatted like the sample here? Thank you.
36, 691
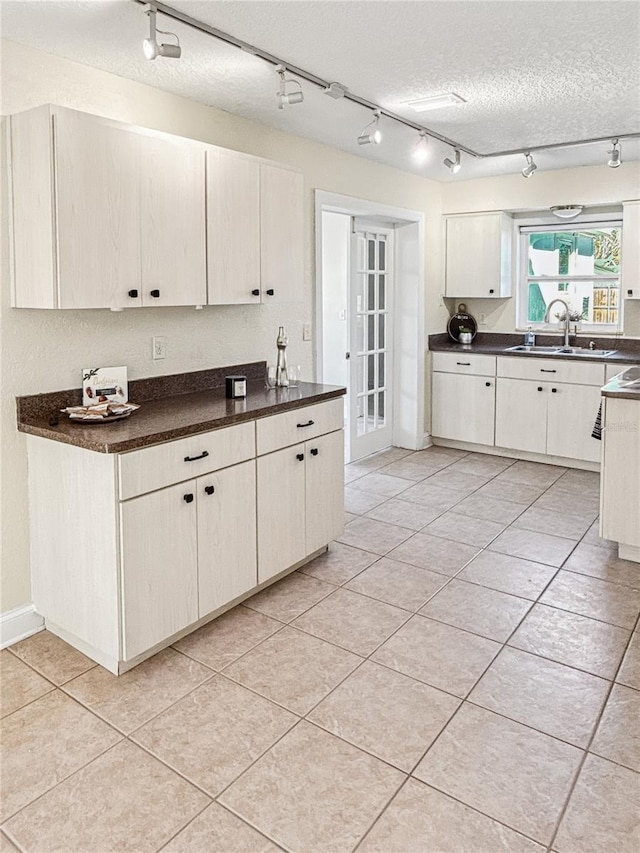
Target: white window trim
539, 225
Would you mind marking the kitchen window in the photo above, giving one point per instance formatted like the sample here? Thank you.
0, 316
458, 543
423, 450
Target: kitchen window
579, 263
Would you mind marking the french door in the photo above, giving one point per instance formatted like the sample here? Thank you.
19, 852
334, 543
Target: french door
370, 342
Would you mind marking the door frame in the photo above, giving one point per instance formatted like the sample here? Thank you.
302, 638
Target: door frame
408, 403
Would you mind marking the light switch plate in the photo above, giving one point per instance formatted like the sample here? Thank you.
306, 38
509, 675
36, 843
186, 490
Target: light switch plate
159, 346
306, 331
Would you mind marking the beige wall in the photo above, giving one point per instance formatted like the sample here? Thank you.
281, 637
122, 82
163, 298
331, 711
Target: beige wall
588, 185
45, 350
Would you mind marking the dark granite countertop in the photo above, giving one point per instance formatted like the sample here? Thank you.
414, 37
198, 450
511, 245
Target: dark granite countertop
170, 407
492, 343
616, 386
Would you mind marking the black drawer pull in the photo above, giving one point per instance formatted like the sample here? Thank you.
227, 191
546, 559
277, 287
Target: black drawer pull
255, 292
491, 291
542, 370
539, 387
187, 498
488, 384
314, 451
209, 489
308, 423
554, 390
464, 363
203, 455
155, 293
270, 292
133, 294
299, 456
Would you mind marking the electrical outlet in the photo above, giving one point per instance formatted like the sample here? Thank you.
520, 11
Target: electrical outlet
159, 346
482, 319
306, 331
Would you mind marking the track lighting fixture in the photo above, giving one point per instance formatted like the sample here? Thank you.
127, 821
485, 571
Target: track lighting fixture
453, 165
530, 168
367, 136
421, 148
151, 47
282, 96
335, 90
615, 158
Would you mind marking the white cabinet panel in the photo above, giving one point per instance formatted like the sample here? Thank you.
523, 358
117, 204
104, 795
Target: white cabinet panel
478, 255
324, 457
281, 510
620, 482
281, 234
552, 370
233, 228
299, 424
463, 407
172, 213
571, 414
521, 415
630, 250
159, 571
227, 568
461, 362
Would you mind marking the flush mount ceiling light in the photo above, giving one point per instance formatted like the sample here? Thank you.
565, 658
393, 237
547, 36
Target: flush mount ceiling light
335, 90
435, 102
453, 165
567, 211
282, 96
151, 47
367, 136
615, 158
530, 168
421, 148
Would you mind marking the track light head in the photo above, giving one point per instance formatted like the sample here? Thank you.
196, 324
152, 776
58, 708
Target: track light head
372, 135
282, 96
335, 90
453, 165
615, 155
530, 168
421, 148
151, 48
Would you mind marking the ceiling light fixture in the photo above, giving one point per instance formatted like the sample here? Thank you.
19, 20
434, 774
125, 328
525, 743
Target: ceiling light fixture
453, 165
375, 135
335, 90
567, 211
615, 158
151, 47
530, 168
435, 102
282, 96
421, 148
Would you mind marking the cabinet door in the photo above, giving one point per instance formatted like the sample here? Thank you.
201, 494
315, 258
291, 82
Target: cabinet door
571, 415
159, 570
521, 414
233, 228
226, 535
463, 407
172, 223
478, 256
97, 172
620, 484
630, 283
281, 510
281, 234
324, 489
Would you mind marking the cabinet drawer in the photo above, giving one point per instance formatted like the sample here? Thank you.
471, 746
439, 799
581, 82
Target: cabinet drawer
299, 425
155, 467
479, 365
551, 370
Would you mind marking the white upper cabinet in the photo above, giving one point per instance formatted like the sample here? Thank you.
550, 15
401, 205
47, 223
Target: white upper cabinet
478, 255
630, 284
281, 233
233, 228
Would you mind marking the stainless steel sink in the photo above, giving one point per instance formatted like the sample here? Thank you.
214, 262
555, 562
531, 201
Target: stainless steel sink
584, 352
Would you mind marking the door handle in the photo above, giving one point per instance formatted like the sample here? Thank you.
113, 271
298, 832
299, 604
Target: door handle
542, 370
308, 423
347, 355
203, 455
209, 489
464, 363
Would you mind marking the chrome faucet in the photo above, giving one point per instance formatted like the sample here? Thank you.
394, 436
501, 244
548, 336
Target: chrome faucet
566, 319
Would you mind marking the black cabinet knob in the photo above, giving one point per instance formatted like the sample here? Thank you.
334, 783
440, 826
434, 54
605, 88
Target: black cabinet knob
629, 292
314, 451
155, 293
255, 292
209, 489
491, 291
133, 294
488, 384
539, 387
554, 390
187, 498
299, 456
270, 292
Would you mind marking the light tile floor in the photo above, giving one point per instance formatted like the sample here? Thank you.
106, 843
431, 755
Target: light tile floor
460, 673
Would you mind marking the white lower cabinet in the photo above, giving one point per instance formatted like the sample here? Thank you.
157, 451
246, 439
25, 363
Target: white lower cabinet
521, 415
324, 469
620, 481
571, 416
463, 407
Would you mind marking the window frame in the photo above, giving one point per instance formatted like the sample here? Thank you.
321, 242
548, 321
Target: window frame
539, 226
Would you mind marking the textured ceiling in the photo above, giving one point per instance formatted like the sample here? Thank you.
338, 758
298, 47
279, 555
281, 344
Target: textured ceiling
532, 72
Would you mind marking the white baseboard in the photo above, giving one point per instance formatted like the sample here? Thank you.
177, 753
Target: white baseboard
426, 441
19, 623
